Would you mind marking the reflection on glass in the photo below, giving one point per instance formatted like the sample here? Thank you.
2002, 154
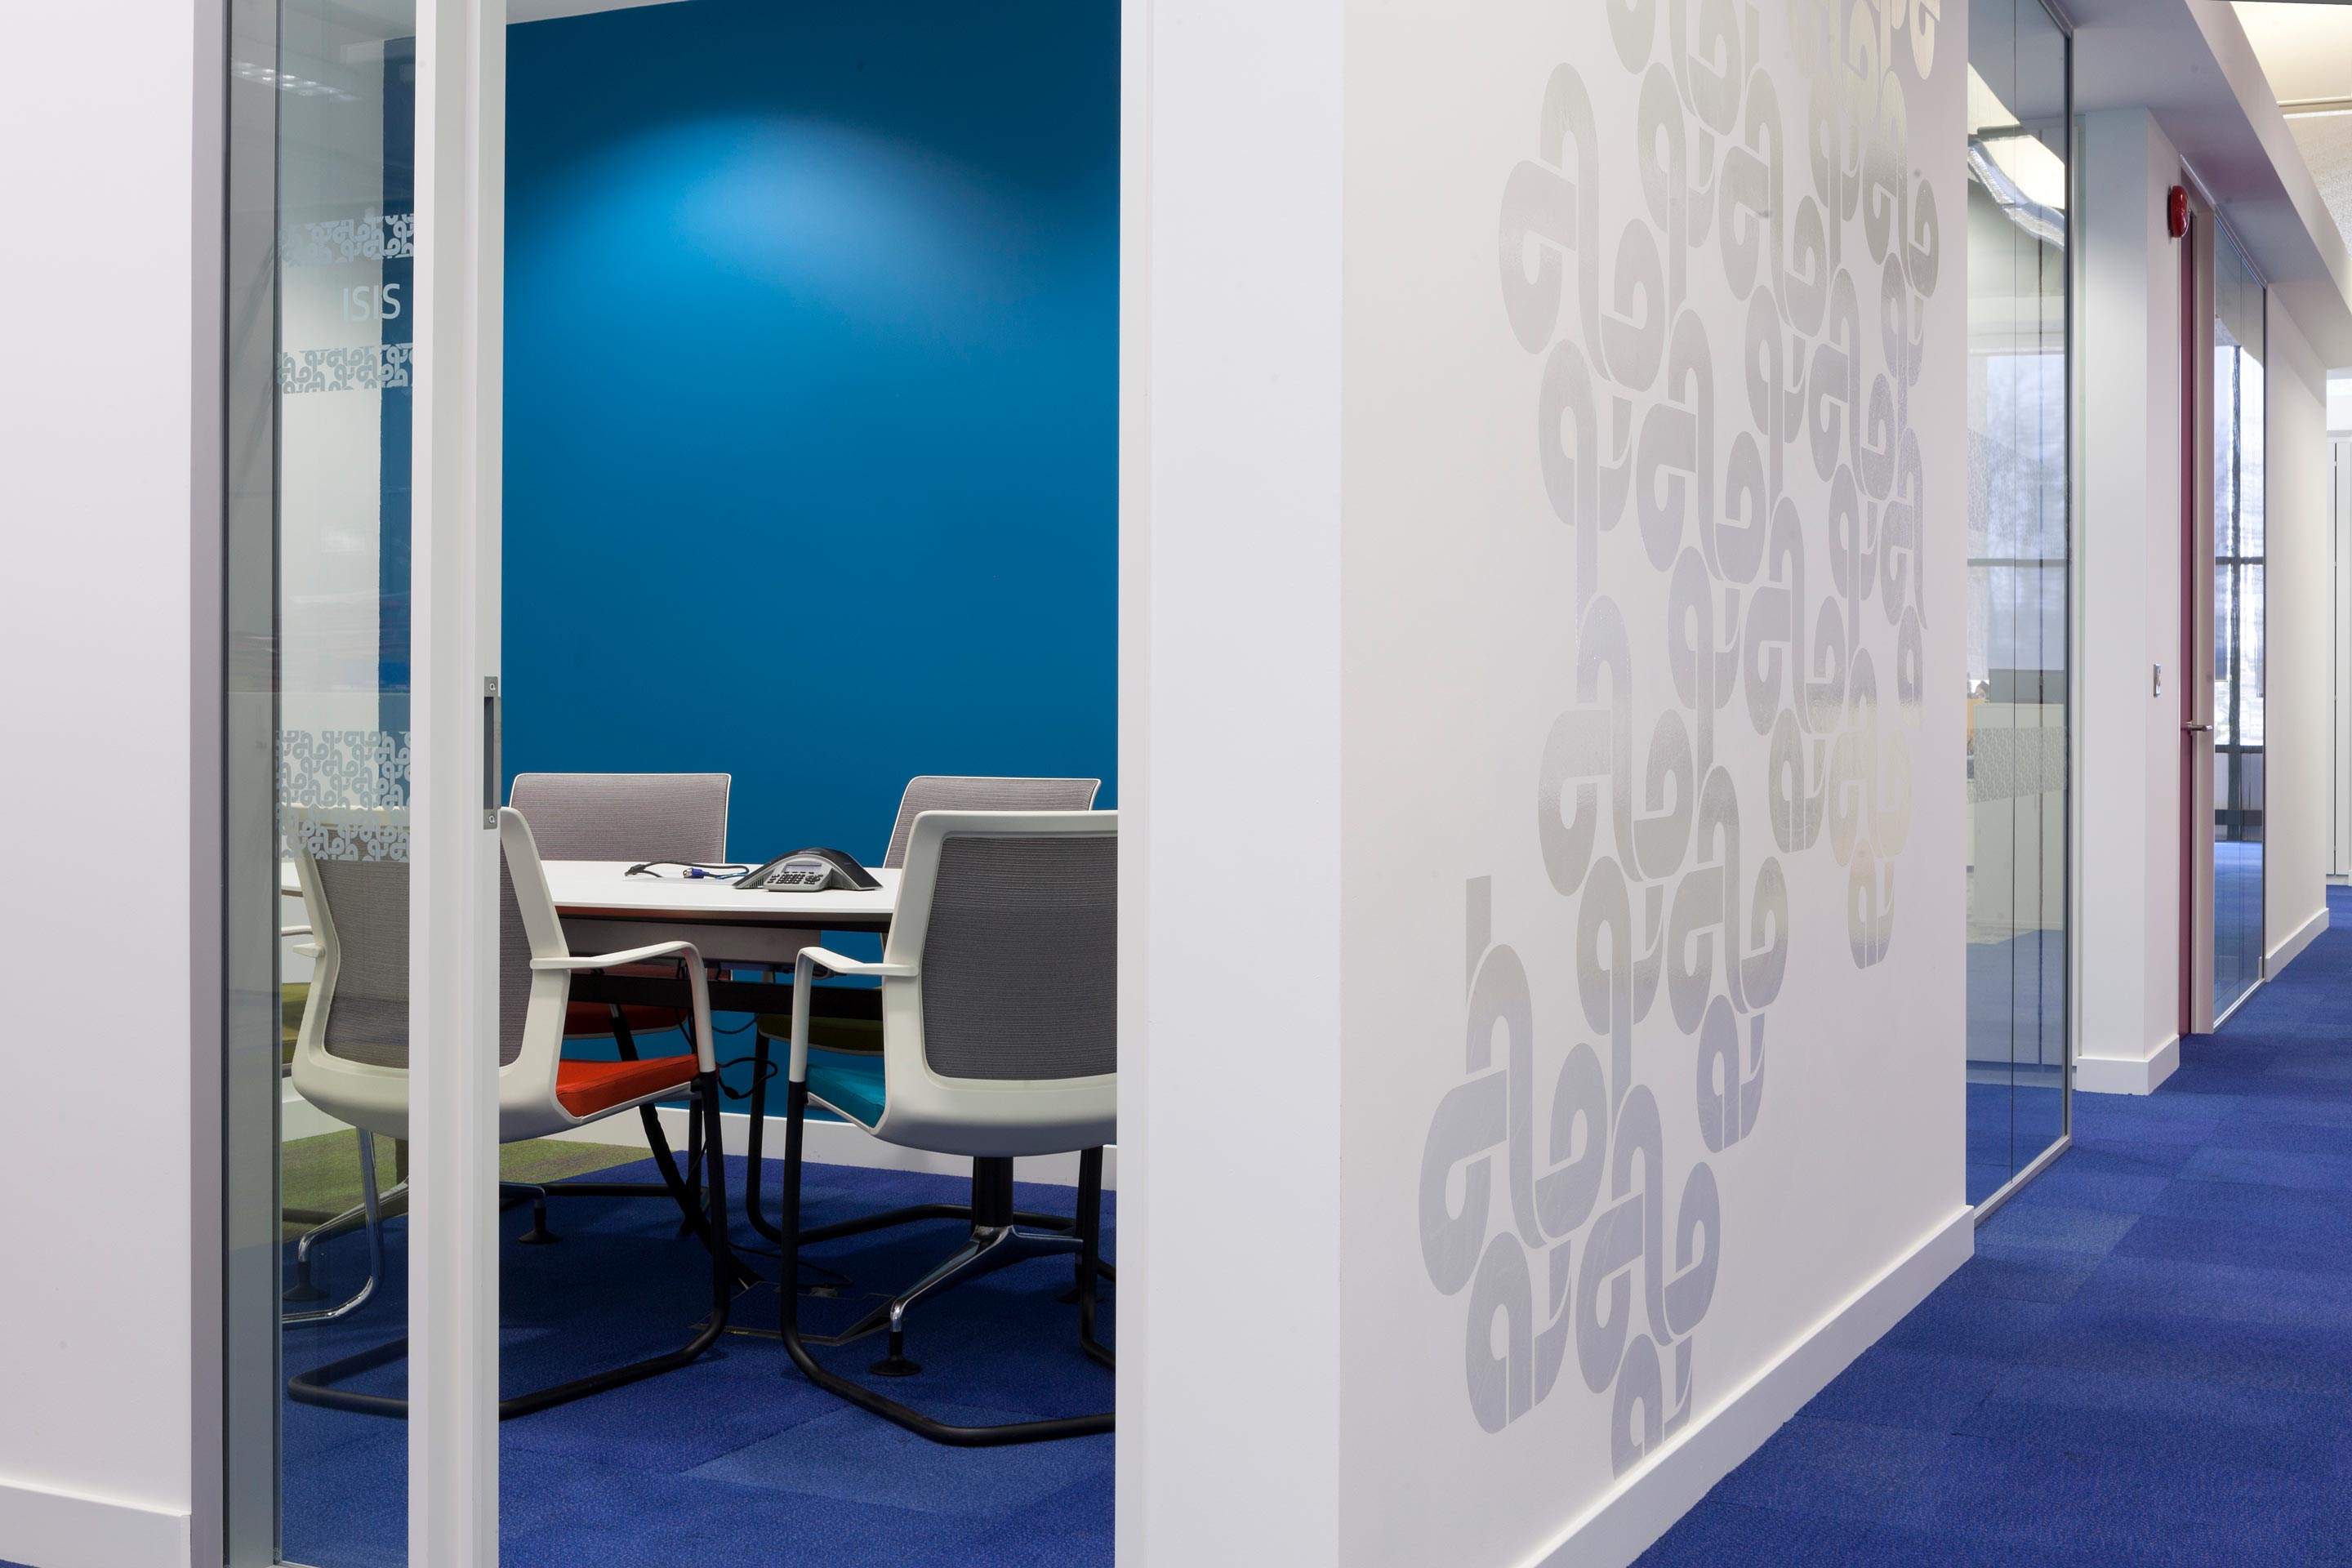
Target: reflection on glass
2238, 491
2017, 666
345, 82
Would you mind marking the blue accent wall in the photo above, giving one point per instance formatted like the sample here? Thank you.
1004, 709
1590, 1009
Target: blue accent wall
811, 401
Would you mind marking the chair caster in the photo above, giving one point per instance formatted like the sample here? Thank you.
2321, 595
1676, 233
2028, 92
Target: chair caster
303, 1289
896, 1363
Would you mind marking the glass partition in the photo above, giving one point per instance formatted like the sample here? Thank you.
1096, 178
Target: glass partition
340, 85
2018, 667
2238, 782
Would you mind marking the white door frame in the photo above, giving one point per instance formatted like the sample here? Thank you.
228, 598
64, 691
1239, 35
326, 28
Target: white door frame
453, 1438
2339, 678
454, 1304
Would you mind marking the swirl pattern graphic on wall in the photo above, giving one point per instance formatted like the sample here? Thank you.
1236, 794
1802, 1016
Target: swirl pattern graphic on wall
1722, 388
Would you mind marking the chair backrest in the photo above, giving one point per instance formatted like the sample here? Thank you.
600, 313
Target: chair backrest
1011, 920
948, 792
359, 913
625, 817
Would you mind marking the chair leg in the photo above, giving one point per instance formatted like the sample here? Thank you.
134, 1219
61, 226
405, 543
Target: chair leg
1002, 1241
317, 1387
754, 1185
673, 1185
693, 1144
372, 1216
1090, 1263
753, 1204
625, 1043
326, 1229
986, 1250
624, 1046
538, 1235
693, 1168
665, 1161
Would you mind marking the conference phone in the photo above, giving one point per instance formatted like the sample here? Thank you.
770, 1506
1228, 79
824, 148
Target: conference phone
811, 872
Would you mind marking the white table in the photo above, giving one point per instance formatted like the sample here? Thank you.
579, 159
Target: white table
604, 909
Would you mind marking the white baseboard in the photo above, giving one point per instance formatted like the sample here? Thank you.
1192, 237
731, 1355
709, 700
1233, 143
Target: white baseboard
1646, 1503
2290, 950
2127, 1075
826, 1144
46, 1528
834, 1143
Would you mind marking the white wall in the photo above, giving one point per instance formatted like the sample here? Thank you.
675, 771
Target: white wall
1653, 1116
1230, 785
95, 631
2128, 741
2340, 529
2299, 629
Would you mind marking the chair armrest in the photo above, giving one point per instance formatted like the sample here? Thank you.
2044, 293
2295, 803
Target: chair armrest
705, 1046
804, 969
294, 931
834, 963
614, 960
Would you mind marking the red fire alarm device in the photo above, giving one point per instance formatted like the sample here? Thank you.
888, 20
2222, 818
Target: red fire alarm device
2176, 212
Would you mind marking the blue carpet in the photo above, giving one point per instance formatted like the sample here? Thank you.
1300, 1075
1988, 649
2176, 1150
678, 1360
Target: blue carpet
736, 1461
2147, 1362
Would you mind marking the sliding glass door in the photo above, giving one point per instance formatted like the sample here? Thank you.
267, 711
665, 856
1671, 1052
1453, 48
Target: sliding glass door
2018, 664
346, 301
357, 737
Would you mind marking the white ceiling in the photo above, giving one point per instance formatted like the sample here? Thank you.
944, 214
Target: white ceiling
2305, 50
2306, 53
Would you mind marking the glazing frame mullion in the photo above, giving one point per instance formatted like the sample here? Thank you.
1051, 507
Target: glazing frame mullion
251, 903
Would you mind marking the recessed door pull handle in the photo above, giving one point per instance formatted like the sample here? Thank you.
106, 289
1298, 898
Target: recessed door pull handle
491, 736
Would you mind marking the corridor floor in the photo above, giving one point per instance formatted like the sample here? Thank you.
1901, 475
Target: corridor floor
2148, 1360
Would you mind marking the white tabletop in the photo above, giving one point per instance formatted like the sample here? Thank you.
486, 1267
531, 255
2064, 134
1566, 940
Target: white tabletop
604, 888
605, 910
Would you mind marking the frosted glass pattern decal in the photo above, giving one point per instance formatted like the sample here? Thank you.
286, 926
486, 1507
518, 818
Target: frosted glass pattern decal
367, 367
352, 788
372, 237
1767, 487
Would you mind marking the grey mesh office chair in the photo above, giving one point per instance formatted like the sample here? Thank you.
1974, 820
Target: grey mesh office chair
625, 817
949, 792
631, 817
351, 1061
1000, 1038
293, 1004
839, 1028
